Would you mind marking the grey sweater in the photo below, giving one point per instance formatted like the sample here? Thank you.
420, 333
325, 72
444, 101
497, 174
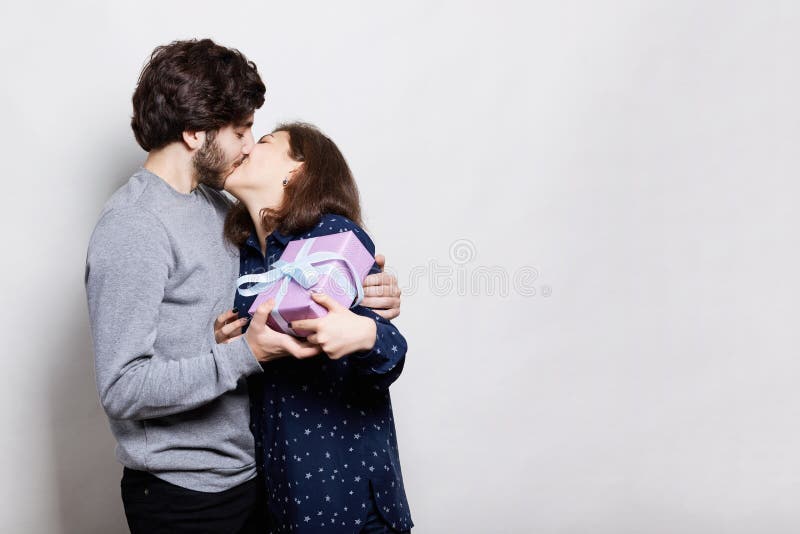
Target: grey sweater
157, 274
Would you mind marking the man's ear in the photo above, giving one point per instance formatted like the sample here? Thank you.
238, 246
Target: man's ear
194, 140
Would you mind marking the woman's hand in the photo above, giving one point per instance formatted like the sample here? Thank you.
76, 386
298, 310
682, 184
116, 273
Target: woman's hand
267, 344
381, 292
227, 327
339, 333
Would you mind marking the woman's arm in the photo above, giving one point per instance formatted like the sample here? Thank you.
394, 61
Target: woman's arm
372, 342
383, 362
362, 333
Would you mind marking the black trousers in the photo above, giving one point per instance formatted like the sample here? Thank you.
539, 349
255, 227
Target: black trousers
153, 506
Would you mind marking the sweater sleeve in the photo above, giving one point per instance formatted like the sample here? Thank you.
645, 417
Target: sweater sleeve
127, 270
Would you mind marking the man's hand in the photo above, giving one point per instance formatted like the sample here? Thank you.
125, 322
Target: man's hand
227, 327
340, 332
268, 344
381, 292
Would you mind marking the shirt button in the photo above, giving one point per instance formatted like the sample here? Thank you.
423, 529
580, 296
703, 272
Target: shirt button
146, 491
258, 443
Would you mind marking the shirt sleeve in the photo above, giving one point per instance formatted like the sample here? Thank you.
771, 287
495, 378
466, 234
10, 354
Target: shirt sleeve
127, 271
383, 363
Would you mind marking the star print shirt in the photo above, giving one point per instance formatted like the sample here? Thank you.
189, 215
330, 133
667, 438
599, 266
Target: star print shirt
324, 429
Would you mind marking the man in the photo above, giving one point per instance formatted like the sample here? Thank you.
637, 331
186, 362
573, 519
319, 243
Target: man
157, 274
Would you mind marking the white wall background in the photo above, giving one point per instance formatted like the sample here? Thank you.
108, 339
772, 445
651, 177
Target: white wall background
641, 155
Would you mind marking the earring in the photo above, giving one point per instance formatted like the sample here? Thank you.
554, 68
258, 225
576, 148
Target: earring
285, 181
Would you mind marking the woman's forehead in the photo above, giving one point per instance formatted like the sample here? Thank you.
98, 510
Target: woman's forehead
275, 135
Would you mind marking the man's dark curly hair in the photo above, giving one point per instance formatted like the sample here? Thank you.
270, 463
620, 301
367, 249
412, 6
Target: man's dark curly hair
196, 86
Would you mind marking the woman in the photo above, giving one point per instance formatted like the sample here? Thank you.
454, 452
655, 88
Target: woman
324, 428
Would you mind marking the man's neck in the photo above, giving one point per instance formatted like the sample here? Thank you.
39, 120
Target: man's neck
173, 164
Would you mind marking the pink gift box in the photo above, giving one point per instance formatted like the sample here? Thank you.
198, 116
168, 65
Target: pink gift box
296, 302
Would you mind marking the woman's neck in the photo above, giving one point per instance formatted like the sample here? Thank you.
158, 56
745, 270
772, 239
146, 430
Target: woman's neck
254, 205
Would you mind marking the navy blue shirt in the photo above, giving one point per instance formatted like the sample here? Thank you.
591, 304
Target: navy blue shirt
324, 429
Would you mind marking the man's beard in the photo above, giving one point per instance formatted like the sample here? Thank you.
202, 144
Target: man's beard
209, 163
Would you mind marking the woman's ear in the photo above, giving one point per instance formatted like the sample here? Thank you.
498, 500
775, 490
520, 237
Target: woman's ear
194, 140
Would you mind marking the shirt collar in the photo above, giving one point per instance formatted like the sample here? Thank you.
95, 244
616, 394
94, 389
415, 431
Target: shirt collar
283, 239
252, 241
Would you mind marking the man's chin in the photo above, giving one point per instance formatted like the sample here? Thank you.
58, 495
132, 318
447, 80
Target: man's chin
217, 182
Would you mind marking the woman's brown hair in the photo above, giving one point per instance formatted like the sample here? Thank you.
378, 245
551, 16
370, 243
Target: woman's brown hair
323, 184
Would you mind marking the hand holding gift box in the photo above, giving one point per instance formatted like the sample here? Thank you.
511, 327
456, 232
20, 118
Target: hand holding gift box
333, 264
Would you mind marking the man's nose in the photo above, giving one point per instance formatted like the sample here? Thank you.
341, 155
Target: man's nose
248, 142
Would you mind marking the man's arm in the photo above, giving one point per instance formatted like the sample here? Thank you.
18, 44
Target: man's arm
127, 270
381, 292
